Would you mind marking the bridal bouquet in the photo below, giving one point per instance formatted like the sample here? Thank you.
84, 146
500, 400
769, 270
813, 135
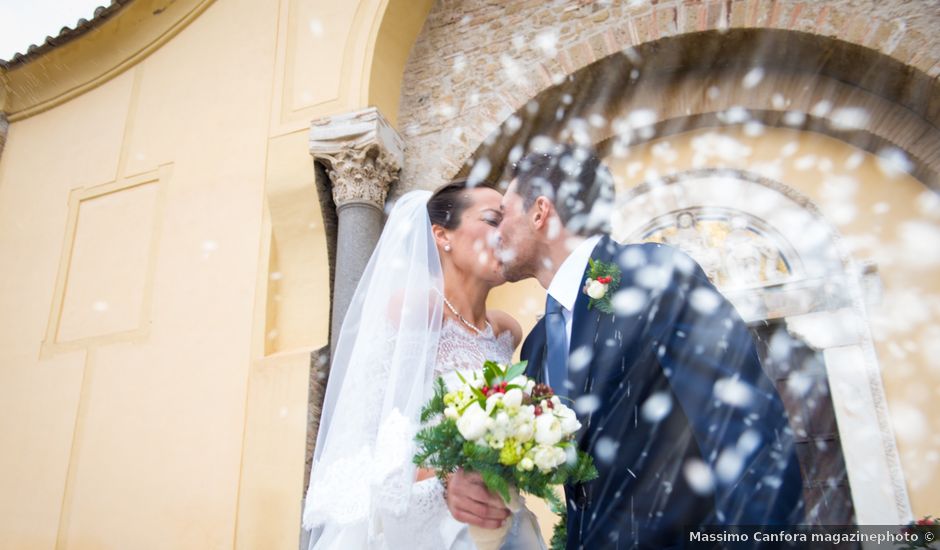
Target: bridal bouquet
517, 434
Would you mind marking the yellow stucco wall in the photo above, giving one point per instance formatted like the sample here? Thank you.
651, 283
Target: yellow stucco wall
165, 274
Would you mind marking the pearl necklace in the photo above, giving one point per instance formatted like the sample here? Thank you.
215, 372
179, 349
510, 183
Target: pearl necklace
459, 316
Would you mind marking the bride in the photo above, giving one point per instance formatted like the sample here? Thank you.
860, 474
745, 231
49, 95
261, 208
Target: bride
419, 312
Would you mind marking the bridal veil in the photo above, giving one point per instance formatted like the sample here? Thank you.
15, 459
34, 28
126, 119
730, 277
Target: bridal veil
380, 376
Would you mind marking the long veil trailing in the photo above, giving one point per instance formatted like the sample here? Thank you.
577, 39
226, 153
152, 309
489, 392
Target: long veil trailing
381, 374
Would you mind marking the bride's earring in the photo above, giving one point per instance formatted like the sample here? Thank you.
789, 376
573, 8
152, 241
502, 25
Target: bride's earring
446, 248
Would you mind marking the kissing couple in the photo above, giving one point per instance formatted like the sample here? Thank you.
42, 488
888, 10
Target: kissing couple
684, 427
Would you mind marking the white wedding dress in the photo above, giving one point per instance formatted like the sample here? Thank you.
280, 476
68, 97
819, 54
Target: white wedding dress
393, 343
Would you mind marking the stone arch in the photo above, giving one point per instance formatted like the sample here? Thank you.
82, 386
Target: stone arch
472, 69
398, 26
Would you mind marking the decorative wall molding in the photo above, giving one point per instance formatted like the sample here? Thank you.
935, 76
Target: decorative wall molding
55, 340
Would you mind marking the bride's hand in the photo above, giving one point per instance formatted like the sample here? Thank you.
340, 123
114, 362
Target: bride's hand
471, 502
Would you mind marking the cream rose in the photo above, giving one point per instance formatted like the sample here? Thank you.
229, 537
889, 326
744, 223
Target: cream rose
547, 429
548, 457
568, 419
596, 289
473, 423
513, 398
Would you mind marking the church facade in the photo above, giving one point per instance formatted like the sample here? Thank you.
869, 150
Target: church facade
188, 190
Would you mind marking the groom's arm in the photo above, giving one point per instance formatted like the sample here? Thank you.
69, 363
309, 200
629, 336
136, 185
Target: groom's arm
737, 417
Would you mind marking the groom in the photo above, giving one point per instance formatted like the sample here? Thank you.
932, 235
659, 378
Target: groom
684, 427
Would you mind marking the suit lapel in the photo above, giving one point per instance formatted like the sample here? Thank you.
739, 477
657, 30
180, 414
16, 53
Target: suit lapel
533, 352
584, 326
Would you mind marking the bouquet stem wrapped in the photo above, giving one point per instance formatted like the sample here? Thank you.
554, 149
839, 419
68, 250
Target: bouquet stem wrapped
517, 434
492, 539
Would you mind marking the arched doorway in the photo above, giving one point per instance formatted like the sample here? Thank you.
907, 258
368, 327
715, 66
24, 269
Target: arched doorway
634, 78
748, 233
753, 100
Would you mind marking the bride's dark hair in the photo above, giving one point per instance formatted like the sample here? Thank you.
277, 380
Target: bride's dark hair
446, 205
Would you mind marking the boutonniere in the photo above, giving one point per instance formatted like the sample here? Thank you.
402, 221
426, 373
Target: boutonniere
602, 280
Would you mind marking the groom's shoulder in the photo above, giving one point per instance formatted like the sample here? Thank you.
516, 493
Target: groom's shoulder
638, 254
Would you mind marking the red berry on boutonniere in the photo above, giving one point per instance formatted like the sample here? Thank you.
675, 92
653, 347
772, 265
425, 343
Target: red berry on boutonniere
603, 279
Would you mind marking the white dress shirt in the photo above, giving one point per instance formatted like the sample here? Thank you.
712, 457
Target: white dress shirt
568, 282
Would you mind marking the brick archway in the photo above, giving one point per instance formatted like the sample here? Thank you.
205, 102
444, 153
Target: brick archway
474, 66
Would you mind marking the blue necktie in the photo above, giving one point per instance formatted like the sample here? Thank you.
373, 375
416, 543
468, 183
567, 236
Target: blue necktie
557, 346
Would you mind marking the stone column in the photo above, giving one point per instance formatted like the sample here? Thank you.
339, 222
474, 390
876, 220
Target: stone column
362, 155
4, 126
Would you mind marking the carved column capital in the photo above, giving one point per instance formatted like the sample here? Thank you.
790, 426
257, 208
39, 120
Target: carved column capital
363, 155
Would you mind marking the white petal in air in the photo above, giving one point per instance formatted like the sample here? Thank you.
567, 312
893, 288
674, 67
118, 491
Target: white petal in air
849, 118
733, 392
753, 77
748, 442
704, 300
653, 277
729, 465
580, 358
628, 301
893, 162
587, 404
656, 407
605, 449
699, 477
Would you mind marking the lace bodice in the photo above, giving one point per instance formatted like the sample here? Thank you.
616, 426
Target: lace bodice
461, 349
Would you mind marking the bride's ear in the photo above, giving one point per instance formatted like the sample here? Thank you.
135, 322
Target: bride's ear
441, 237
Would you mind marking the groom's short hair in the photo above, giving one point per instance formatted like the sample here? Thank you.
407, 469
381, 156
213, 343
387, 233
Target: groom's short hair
574, 179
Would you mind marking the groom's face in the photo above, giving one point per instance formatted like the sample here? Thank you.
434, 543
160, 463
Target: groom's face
516, 250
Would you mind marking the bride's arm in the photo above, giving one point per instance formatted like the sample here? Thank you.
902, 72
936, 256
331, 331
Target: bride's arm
502, 322
424, 473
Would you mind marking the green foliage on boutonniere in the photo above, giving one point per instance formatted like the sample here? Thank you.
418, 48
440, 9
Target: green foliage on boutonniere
602, 281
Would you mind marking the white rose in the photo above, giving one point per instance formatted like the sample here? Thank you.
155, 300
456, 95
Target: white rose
501, 425
519, 381
568, 419
473, 423
547, 429
524, 432
451, 412
526, 464
596, 290
513, 398
548, 458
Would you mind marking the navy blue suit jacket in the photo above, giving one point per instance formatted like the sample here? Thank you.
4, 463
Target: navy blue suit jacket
684, 426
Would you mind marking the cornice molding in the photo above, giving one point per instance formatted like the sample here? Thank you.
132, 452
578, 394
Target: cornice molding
95, 57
